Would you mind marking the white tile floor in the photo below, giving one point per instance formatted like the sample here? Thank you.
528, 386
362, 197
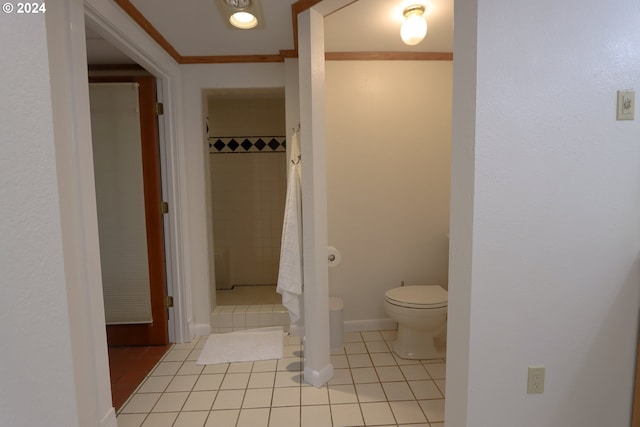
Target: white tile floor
371, 387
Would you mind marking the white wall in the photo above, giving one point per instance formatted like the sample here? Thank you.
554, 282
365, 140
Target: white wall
195, 80
36, 371
556, 235
388, 166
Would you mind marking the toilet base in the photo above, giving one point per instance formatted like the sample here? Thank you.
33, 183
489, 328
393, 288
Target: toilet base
420, 344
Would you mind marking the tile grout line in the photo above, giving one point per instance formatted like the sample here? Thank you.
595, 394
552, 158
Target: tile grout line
188, 359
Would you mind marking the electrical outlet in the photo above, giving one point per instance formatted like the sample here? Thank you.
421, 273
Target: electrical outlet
535, 383
626, 104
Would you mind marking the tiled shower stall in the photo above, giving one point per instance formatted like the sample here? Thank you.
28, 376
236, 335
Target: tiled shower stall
247, 155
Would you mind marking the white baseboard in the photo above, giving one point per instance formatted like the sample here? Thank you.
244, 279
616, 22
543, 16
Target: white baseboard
318, 378
202, 329
370, 325
191, 328
109, 420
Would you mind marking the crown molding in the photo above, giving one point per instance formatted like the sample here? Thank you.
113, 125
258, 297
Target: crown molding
296, 8
389, 56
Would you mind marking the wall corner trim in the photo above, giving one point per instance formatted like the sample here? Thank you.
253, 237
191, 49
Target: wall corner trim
318, 378
202, 329
109, 420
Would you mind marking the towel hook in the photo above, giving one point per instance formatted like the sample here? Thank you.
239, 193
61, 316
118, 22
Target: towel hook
295, 131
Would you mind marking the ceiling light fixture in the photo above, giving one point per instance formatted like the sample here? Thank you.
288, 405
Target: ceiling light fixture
241, 16
414, 27
243, 20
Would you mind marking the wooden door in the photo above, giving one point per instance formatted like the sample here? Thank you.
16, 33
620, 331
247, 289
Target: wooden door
155, 332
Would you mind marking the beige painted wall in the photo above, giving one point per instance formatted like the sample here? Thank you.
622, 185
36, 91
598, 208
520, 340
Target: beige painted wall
253, 116
388, 148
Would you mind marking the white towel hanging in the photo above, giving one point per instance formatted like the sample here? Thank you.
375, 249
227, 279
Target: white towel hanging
290, 273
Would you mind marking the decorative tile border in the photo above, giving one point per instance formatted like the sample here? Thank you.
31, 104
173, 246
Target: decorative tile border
247, 144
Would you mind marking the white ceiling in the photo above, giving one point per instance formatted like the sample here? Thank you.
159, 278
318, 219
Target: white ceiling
196, 28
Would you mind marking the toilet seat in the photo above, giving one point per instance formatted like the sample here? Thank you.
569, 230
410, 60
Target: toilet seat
425, 297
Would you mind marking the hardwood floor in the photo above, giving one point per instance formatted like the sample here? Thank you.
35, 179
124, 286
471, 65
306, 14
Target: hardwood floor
129, 366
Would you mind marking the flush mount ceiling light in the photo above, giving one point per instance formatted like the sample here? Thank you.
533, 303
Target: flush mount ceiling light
414, 27
243, 20
242, 14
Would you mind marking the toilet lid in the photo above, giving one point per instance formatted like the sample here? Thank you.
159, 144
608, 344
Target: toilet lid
418, 296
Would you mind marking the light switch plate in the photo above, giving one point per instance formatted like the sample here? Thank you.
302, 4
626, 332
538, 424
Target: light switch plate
626, 104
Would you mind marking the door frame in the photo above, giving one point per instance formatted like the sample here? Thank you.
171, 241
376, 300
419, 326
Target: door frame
168, 83
635, 414
155, 333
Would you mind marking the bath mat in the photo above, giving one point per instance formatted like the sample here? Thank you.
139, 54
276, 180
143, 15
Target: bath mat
242, 346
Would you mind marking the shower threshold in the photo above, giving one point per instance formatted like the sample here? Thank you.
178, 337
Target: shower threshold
229, 318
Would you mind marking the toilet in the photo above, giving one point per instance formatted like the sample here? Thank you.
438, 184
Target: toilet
421, 313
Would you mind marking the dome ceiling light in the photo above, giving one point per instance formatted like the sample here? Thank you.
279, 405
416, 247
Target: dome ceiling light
414, 27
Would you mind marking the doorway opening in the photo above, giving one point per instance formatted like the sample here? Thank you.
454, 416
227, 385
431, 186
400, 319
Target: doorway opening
128, 196
127, 168
247, 187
